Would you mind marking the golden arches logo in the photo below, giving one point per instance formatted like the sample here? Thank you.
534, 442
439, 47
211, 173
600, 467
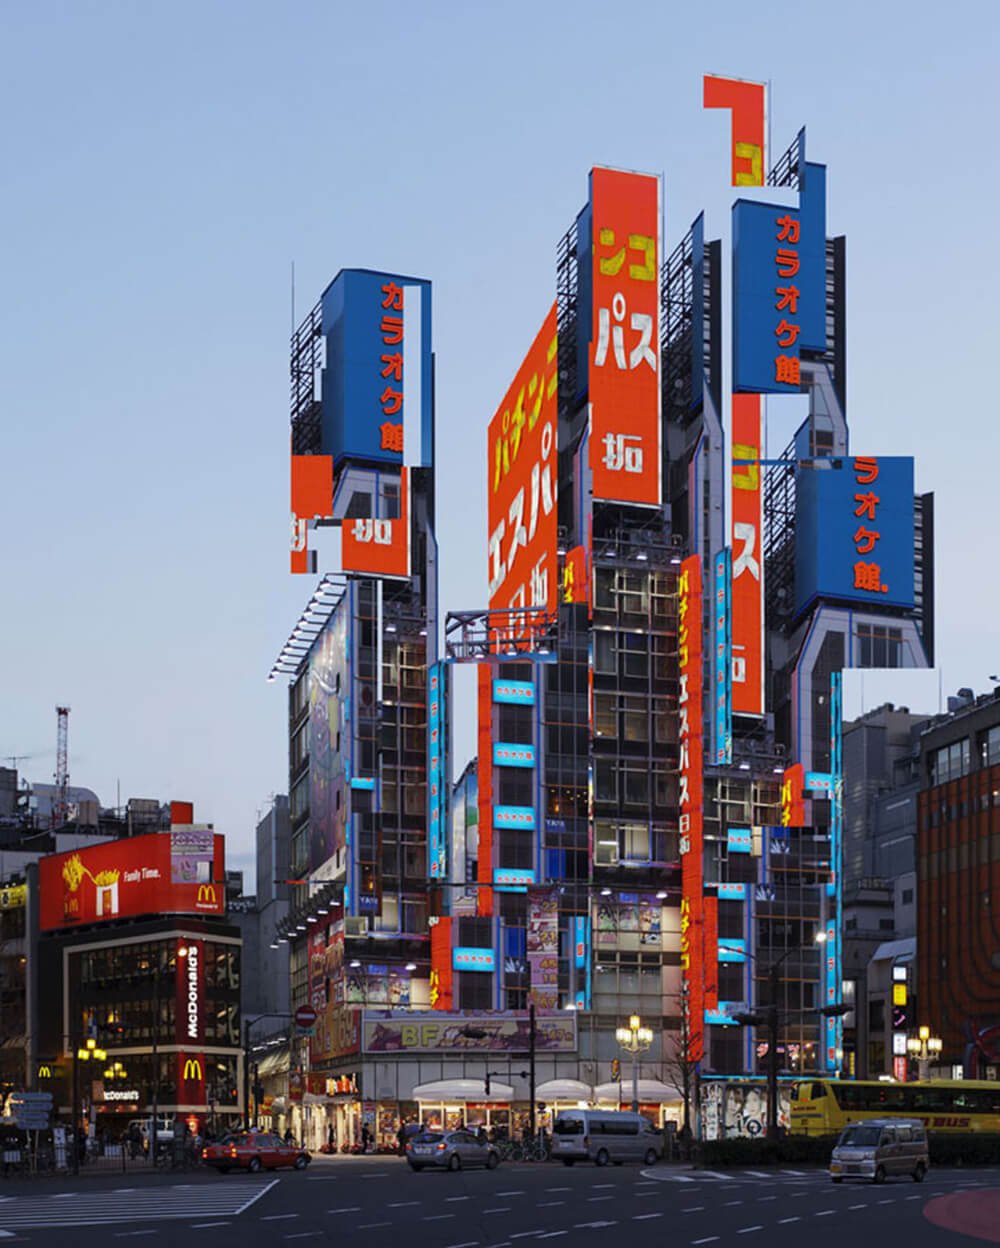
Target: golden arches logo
206, 892
192, 1070
45, 1072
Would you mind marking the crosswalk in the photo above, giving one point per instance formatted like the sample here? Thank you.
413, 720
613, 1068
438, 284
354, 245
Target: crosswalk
665, 1175
133, 1204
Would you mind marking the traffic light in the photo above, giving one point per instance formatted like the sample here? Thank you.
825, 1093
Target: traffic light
616, 1070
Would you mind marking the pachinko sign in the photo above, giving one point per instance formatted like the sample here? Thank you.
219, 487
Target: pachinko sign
523, 480
747, 101
747, 558
624, 375
689, 703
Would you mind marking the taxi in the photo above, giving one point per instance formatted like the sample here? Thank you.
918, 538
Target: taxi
253, 1151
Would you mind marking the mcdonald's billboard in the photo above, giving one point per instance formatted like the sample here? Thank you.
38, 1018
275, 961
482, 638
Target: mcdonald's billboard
191, 1078
176, 872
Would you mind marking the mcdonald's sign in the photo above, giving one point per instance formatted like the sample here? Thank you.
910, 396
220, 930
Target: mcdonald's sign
45, 1072
206, 895
193, 1069
191, 1084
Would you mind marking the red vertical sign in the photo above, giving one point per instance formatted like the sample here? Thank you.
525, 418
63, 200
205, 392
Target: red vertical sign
484, 777
690, 732
793, 808
190, 1003
748, 103
441, 972
748, 559
624, 378
379, 547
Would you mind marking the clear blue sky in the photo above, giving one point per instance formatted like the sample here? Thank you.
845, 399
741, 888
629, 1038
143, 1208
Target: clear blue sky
164, 164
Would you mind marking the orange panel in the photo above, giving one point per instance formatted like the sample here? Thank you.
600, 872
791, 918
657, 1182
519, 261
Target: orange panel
379, 547
748, 562
748, 102
624, 377
793, 808
484, 774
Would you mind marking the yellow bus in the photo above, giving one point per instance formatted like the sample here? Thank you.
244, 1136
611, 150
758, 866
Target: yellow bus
826, 1106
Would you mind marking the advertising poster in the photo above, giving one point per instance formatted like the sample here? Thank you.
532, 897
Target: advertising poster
543, 947
624, 361
328, 671
747, 595
522, 480
192, 854
376, 546
447, 1033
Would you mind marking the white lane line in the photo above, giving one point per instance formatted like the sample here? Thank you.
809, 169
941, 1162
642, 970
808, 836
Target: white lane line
713, 1174
641, 1217
277, 1217
745, 1230
757, 1174
694, 1209
518, 1192
549, 1204
57, 1196
728, 1203
498, 1209
593, 1198
127, 1234
255, 1197
370, 1226
913, 1197
767, 1198
597, 1185
126, 1189
798, 1173
553, 1234
888, 1201
401, 1204
864, 1206
450, 1199
584, 1226
525, 1234
469, 1243
203, 1226
346, 1209
375, 1176
784, 1221
824, 1213
432, 1217
303, 1235
709, 1239
558, 1189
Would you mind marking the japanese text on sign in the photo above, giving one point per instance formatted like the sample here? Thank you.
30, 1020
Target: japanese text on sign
391, 370
689, 705
624, 378
786, 331
747, 561
867, 572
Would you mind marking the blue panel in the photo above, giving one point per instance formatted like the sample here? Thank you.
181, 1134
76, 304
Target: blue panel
812, 255
437, 820
362, 782
514, 942
866, 557
732, 892
723, 666
721, 1017
515, 692
739, 840
555, 864
764, 277
514, 817
818, 784
360, 388
731, 950
507, 755
464, 958
513, 879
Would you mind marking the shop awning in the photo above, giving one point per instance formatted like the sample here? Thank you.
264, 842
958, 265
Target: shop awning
650, 1092
564, 1090
461, 1090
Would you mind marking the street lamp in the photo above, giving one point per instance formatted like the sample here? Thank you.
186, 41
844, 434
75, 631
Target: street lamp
634, 1039
770, 1017
923, 1046
88, 1052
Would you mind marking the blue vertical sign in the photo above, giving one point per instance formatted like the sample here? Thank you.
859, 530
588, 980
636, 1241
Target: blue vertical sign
581, 947
722, 718
833, 1048
436, 840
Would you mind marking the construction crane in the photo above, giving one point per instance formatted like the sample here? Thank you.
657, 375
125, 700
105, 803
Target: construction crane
60, 806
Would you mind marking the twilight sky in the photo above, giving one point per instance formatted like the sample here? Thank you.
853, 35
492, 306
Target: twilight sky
163, 166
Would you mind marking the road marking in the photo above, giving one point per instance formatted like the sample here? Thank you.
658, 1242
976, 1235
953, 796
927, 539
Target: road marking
346, 1209
549, 1204
302, 1235
126, 1234
713, 1174
581, 1226
798, 1173
745, 1230
641, 1217
709, 1239
824, 1213
402, 1204
733, 1202
449, 1199
132, 1189
498, 1209
375, 1176
558, 1189
432, 1217
913, 1198
553, 1234
524, 1234
864, 1206
518, 1192
203, 1226
469, 1243
767, 1198
757, 1174
884, 1202
694, 1209
593, 1198
370, 1226
277, 1217
596, 1185
783, 1221
256, 1196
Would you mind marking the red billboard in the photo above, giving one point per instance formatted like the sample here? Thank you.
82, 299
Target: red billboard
748, 103
748, 558
523, 479
624, 377
163, 873
190, 1002
377, 547
690, 741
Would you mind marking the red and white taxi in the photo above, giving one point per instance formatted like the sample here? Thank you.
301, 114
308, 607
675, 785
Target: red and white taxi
253, 1151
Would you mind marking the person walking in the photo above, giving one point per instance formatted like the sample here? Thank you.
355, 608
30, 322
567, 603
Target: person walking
401, 1139
365, 1137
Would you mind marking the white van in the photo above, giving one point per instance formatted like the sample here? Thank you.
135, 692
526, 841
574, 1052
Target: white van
602, 1135
878, 1148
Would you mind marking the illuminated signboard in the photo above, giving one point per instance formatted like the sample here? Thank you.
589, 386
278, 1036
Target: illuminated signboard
624, 359
771, 294
513, 817
125, 878
312, 499
190, 994
747, 558
513, 879
854, 532
441, 976
507, 755
374, 546
747, 102
731, 950
793, 810
739, 840
835, 1026
818, 783
689, 645
484, 788
467, 959
190, 1078
732, 892
437, 855
523, 482
514, 692
723, 693
575, 582
495, 1032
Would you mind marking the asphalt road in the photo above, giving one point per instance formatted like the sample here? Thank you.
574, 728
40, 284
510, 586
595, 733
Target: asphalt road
378, 1201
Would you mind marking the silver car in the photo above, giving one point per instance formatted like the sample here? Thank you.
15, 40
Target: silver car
879, 1148
450, 1150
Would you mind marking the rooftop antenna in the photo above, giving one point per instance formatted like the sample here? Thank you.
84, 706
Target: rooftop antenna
61, 806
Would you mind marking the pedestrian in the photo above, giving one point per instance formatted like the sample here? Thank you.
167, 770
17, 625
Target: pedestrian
365, 1137
288, 1135
331, 1139
401, 1139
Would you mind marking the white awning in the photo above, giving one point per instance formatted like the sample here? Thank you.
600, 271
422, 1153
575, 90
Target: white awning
564, 1090
650, 1092
460, 1090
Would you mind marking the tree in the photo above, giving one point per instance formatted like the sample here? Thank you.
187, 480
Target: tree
680, 1063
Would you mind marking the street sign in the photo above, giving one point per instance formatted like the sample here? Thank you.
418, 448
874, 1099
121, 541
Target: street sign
27, 1097
305, 1017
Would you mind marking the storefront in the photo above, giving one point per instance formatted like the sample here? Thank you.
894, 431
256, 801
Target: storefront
559, 1094
657, 1101
450, 1103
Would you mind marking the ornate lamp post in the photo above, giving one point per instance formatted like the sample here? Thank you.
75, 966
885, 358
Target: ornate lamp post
924, 1047
634, 1039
